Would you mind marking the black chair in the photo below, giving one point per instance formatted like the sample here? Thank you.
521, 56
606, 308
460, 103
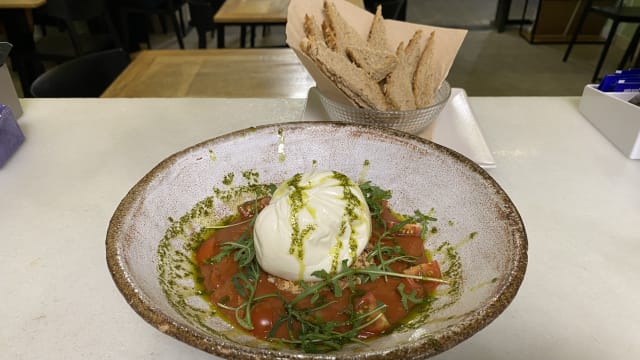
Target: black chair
68, 14
632, 49
148, 8
391, 9
202, 12
85, 76
617, 14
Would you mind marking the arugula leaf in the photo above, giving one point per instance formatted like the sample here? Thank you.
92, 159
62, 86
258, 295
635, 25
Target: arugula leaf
374, 196
406, 298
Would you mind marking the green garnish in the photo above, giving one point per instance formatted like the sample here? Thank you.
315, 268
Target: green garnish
410, 297
374, 196
243, 249
317, 336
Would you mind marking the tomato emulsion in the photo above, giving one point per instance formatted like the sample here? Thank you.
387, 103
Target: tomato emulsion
368, 303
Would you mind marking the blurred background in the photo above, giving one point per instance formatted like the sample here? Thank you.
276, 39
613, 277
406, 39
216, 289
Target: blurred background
524, 58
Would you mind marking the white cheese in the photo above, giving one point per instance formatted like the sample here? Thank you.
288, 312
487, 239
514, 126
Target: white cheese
314, 221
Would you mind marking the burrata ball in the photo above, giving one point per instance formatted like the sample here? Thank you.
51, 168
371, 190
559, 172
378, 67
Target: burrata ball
313, 222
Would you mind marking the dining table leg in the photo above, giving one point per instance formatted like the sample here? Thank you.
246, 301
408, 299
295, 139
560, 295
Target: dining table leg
23, 54
220, 30
253, 36
502, 14
243, 35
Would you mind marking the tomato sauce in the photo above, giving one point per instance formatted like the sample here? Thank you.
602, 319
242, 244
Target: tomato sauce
268, 312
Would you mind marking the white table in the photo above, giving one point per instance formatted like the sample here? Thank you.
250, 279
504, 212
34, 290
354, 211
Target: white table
579, 198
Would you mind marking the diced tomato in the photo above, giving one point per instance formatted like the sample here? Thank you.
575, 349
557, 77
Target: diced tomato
206, 250
391, 220
410, 230
430, 269
248, 209
411, 285
265, 314
367, 303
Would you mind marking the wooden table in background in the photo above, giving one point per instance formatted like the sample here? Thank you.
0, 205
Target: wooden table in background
21, 4
555, 21
251, 13
254, 73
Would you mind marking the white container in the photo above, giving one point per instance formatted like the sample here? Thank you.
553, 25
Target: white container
616, 118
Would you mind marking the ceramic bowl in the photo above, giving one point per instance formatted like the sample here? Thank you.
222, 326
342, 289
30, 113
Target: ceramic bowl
411, 121
480, 240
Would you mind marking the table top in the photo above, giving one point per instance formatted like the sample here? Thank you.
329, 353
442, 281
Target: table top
21, 4
578, 196
252, 11
257, 11
213, 73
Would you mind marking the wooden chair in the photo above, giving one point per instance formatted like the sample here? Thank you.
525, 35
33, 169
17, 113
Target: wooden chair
617, 14
86, 76
71, 42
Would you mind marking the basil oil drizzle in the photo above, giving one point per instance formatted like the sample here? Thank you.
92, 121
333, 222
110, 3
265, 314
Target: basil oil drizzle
298, 200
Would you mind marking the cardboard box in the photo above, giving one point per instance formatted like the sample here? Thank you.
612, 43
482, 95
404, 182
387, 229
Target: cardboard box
616, 118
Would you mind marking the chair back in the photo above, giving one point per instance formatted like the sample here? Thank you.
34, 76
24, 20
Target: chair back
390, 8
85, 76
202, 12
75, 10
603, 3
151, 4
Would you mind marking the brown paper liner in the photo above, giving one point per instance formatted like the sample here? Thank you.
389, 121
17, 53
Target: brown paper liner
448, 41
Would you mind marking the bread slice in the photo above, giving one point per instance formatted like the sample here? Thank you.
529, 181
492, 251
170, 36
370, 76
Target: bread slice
330, 37
377, 38
398, 86
377, 64
424, 81
311, 28
337, 27
413, 52
349, 78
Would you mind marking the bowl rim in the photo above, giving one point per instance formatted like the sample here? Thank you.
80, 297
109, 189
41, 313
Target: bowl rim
218, 345
440, 103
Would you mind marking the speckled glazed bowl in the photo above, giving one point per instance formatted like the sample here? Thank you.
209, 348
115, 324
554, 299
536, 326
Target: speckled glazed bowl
480, 243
